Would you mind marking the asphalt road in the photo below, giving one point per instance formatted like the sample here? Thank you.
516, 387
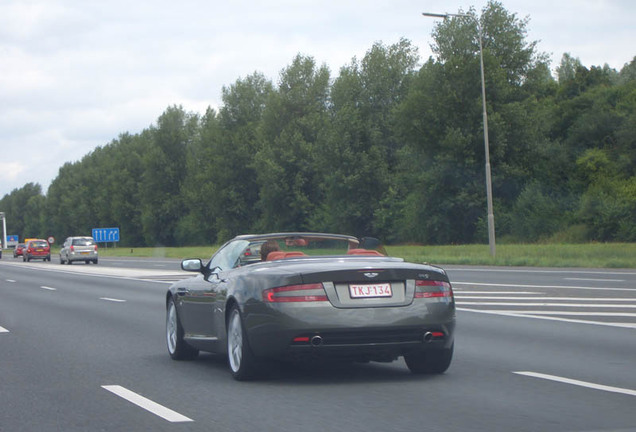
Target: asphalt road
82, 349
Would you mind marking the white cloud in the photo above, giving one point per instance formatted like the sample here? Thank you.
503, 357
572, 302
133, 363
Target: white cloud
75, 75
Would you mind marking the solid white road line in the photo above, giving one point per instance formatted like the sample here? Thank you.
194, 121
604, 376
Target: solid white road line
594, 299
542, 286
3, 330
10, 280
461, 292
112, 300
520, 314
596, 280
48, 288
567, 313
578, 383
147, 404
578, 305
533, 270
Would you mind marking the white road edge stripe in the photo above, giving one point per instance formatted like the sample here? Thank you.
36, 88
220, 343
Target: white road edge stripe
541, 286
564, 305
557, 312
596, 280
112, 299
3, 330
147, 404
578, 383
591, 299
460, 291
521, 314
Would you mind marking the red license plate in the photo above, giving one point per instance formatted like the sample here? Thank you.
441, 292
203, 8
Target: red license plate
370, 290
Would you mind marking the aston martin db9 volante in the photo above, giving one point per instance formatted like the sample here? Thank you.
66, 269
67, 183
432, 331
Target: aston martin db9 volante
301, 296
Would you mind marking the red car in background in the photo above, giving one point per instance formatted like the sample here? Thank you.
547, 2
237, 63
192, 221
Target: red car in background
37, 249
19, 249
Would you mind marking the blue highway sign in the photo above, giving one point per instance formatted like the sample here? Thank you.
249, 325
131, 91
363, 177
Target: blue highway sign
105, 235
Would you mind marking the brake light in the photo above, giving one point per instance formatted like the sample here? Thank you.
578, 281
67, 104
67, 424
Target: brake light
432, 289
295, 293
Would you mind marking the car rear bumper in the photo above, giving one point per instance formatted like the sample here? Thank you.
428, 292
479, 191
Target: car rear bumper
46, 256
82, 256
363, 334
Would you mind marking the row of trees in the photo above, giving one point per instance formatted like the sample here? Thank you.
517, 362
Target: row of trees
386, 148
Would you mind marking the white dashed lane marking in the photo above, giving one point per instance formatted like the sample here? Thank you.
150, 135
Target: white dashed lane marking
147, 404
586, 384
112, 300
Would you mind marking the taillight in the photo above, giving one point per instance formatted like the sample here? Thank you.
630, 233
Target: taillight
72, 248
95, 248
295, 293
431, 289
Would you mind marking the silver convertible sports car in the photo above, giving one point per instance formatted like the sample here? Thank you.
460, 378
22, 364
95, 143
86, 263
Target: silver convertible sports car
300, 296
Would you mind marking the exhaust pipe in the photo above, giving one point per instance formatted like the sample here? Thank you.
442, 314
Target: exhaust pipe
316, 341
428, 337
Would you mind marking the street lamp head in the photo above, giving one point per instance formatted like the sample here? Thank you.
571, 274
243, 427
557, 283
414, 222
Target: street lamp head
434, 15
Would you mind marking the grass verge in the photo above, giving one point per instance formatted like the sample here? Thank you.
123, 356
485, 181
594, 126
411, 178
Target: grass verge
591, 255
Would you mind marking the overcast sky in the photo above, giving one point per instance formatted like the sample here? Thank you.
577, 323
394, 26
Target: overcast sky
75, 74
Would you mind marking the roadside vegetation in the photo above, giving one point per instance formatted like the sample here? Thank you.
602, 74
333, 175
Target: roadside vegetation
390, 147
593, 255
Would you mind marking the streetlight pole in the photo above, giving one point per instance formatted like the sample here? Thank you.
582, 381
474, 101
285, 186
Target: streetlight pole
3, 239
491, 216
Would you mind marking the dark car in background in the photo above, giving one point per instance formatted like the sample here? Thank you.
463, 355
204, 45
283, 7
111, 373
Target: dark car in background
19, 249
79, 249
37, 249
319, 296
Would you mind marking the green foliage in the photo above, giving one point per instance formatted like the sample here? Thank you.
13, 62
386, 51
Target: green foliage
389, 147
163, 174
292, 127
538, 214
24, 210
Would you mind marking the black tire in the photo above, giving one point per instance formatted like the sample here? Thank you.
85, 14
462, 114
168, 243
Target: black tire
61, 260
87, 262
430, 362
94, 261
69, 262
177, 347
243, 364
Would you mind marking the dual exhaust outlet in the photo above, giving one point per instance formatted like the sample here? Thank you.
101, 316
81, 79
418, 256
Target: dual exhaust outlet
317, 339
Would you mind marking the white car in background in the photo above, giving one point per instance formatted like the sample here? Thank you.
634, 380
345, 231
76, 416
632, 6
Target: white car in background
78, 249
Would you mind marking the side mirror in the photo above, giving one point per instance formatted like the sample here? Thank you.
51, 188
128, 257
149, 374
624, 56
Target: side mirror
192, 265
